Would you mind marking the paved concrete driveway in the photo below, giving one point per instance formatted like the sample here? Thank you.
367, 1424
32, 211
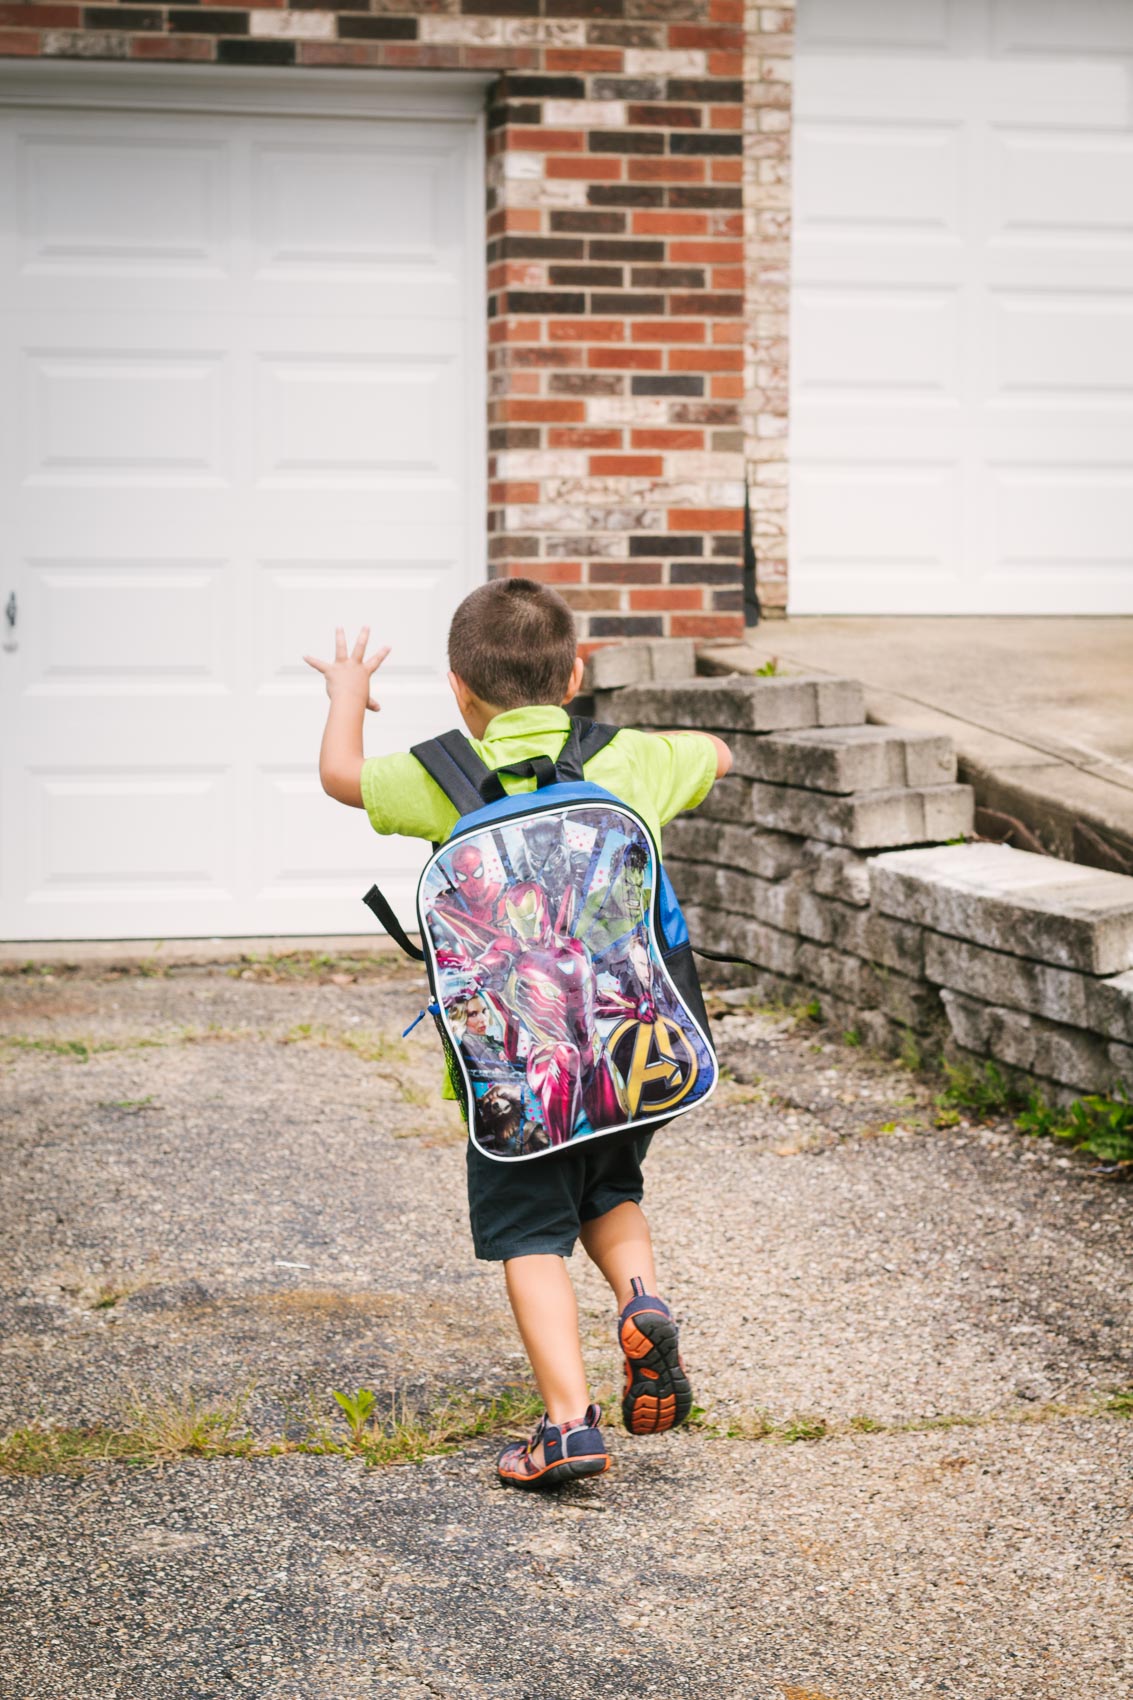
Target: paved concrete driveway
904, 1340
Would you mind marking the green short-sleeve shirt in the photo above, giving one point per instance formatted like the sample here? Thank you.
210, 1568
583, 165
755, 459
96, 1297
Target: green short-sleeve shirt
657, 775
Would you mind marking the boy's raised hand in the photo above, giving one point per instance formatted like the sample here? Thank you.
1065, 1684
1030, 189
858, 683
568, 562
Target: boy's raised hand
350, 675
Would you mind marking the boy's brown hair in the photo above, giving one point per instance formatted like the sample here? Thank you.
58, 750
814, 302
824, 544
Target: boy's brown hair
514, 643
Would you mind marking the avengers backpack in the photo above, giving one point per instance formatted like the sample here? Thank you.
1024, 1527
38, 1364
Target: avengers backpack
559, 963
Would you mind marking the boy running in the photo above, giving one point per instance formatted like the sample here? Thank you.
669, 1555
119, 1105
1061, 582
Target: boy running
513, 655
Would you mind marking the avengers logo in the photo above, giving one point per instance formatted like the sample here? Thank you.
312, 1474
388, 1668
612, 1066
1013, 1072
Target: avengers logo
657, 1063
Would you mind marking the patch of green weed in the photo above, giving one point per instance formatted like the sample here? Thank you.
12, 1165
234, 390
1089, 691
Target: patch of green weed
1100, 1125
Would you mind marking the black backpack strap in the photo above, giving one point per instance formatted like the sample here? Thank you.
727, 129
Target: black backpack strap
540, 768
593, 737
454, 765
381, 908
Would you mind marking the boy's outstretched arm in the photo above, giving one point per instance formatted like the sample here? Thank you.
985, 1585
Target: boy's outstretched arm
348, 680
723, 753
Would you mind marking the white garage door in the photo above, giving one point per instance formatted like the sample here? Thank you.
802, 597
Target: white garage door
240, 402
962, 310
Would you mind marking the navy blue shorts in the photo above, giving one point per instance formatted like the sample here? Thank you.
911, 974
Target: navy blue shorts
519, 1209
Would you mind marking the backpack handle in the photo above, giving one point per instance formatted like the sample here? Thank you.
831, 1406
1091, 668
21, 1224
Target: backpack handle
541, 768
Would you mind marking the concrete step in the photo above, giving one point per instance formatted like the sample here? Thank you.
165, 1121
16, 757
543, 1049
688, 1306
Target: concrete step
1013, 901
864, 820
736, 705
847, 758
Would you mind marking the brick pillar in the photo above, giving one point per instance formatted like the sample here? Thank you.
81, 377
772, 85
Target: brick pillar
769, 44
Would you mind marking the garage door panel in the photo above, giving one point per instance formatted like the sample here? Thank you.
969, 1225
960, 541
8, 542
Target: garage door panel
873, 513
875, 345
99, 835
125, 414
1078, 346
1046, 517
115, 626
358, 418
308, 852
1043, 26
1060, 184
406, 607
864, 181
833, 23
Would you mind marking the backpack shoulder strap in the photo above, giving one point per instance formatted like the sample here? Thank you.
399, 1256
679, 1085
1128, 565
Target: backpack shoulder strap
454, 765
593, 738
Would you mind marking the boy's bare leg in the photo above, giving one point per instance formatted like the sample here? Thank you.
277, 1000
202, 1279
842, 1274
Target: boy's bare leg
546, 1311
620, 1244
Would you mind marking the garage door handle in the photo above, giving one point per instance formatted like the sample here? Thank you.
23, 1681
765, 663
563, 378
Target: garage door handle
11, 613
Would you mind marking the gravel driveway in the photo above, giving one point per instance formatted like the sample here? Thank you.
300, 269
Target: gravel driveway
238, 1182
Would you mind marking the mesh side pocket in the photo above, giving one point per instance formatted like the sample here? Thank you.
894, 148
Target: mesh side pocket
453, 1069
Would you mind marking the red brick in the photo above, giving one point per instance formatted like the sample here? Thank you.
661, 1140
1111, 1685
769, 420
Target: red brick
547, 572
586, 330
544, 411
515, 330
501, 494
666, 437
726, 117
412, 55
629, 359
705, 253
670, 223
706, 519
579, 60
625, 572
719, 38
538, 140
726, 224
671, 117
668, 330
666, 170
528, 220
668, 596
42, 17
495, 59
594, 168
728, 331
727, 388
706, 359
585, 437
727, 171
726, 11
626, 466
337, 52
727, 277
19, 43
591, 600
707, 625
726, 64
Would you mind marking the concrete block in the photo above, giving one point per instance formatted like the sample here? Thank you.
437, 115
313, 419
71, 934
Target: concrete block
835, 971
729, 803
876, 938
1121, 1062
771, 855
1111, 1007
913, 1003
746, 941
1045, 1047
836, 872
846, 758
868, 820
1013, 901
655, 659
967, 1020
741, 704
736, 893
895, 944
1016, 982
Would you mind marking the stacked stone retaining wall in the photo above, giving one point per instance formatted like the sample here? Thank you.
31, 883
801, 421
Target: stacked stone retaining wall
836, 862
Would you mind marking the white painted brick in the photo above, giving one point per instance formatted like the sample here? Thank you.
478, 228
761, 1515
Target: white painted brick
627, 410
540, 463
682, 463
604, 112
555, 192
293, 26
544, 519
478, 31
649, 62
543, 32
514, 164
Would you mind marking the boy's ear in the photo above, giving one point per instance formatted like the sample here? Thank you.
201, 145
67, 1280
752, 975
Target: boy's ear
575, 684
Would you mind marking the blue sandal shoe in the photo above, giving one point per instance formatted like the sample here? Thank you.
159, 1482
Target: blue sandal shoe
657, 1392
570, 1450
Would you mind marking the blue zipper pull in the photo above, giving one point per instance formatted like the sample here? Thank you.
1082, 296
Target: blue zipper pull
433, 1008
